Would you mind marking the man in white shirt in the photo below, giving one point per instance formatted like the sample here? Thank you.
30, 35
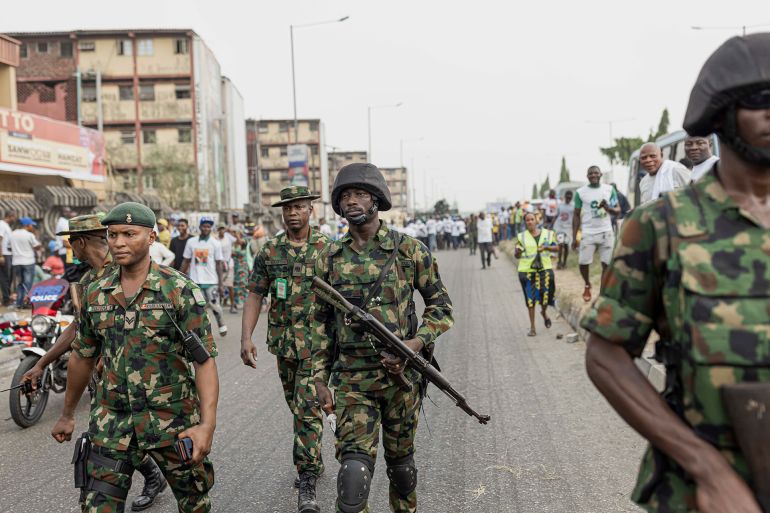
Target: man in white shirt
6, 257
484, 230
430, 226
226, 240
698, 150
204, 264
24, 246
562, 226
62, 225
160, 254
662, 175
325, 228
550, 208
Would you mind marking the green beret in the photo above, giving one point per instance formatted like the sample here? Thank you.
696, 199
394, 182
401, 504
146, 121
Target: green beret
131, 213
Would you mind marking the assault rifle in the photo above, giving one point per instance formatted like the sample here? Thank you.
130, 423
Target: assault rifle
394, 344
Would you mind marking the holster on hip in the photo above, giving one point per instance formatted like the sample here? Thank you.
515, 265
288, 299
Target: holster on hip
80, 460
748, 408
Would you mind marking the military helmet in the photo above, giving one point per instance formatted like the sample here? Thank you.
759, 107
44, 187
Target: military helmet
361, 176
737, 68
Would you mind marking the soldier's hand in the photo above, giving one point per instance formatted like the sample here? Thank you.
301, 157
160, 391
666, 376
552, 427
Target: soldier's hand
725, 492
325, 398
33, 375
62, 430
394, 364
201, 435
249, 353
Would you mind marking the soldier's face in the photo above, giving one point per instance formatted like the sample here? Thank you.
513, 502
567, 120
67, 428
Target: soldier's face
296, 214
754, 127
129, 244
355, 202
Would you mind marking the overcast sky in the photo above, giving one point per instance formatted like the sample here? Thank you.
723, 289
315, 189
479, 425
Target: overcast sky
498, 91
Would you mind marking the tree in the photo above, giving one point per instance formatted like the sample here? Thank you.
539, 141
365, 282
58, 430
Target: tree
534, 191
441, 207
545, 187
663, 124
564, 173
621, 152
172, 175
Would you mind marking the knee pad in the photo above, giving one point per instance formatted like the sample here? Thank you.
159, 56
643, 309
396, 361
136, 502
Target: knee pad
403, 475
354, 481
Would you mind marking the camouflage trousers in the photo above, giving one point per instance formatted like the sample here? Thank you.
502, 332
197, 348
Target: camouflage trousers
190, 484
359, 418
299, 392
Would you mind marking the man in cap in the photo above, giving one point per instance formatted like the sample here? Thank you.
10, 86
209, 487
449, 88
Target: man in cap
284, 268
138, 316
693, 267
164, 234
699, 151
204, 263
88, 239
24, 246
379, 270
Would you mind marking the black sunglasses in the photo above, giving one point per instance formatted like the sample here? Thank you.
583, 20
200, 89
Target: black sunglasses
759, 100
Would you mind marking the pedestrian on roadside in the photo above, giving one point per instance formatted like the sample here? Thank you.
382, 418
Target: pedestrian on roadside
324, 228
594, 203
699, 150
550, 209
485, 238
692, 266
164, 235
179, 242
662, 175
456, 229
24, 246
430, 224
61, 226
562, 227
284, 267
160, 254
473, 234
226, 241
6, 256
204, 264
53, 264
368, 401
533, 250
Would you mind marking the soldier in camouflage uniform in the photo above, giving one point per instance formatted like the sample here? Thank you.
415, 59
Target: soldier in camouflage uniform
693, 266
88, 239
284, 268
148, 396
366, 396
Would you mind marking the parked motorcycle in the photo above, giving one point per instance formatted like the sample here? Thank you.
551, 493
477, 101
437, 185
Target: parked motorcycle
51, 307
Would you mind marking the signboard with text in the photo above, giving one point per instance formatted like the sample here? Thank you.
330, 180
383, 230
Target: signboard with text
43, 146
299, 171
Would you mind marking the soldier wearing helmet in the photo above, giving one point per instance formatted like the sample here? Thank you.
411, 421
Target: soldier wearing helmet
693, 267
378, 269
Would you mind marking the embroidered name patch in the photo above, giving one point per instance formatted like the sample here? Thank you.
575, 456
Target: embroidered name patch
156, 306
101, 308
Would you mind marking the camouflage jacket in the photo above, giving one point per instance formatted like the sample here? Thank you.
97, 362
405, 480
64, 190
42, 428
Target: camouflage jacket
353, 273
282, 264
147, 388
693, 267
94, 274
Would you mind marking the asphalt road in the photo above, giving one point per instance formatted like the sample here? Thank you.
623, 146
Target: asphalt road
553, 444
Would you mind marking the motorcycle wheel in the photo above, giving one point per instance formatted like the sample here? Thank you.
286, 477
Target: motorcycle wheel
26, 410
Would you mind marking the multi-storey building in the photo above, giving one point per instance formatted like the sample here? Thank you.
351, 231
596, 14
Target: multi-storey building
396, 178
340, 159
272, 139
161, 100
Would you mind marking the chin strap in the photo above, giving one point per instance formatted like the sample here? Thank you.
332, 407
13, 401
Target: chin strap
362, 218
729, 134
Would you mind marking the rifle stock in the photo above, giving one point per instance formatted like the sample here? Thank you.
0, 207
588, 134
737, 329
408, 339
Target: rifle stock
748, 407
394, 344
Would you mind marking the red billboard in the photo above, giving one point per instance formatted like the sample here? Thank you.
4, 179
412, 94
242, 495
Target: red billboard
38, 145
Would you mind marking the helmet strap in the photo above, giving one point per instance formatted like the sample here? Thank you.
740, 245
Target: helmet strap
729, 134
363, 218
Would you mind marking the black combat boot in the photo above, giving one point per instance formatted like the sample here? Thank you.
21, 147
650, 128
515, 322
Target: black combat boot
306, 502
154, 483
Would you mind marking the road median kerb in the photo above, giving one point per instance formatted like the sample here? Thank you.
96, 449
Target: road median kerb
570, 304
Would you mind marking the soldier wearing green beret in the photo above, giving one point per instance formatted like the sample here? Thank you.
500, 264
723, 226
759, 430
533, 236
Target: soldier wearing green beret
284, 268
135, 316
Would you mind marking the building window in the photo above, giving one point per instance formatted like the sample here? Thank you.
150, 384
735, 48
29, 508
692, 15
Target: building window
144, 47
65, 49
125, 47
147, 92
261, 128
88, 94
149, 136
265, 176
23, 51
184, 135
283, 127
127, 137
265, 152
284, 151
126, 92
87, 46
42, 47
148, 177
313, 126
180, 47
314, 150
182, 92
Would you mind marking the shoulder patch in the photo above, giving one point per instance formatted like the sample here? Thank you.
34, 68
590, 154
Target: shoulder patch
198, 296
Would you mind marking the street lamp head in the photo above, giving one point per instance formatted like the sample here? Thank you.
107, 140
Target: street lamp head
343, 18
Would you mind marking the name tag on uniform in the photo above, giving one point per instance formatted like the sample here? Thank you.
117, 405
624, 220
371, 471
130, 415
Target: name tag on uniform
297, 269
277, 262
280, 288
101, 308
156, 306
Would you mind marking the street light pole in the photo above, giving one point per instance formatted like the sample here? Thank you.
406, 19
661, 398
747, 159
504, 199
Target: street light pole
293, 74
731, 27
369, 123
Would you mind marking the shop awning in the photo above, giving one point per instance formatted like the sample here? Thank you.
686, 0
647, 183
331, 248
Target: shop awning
57, 196
23, 205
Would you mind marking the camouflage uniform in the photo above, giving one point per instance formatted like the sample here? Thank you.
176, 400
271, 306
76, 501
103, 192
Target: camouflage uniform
147, 393
693, 267
289, 338
365, 396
